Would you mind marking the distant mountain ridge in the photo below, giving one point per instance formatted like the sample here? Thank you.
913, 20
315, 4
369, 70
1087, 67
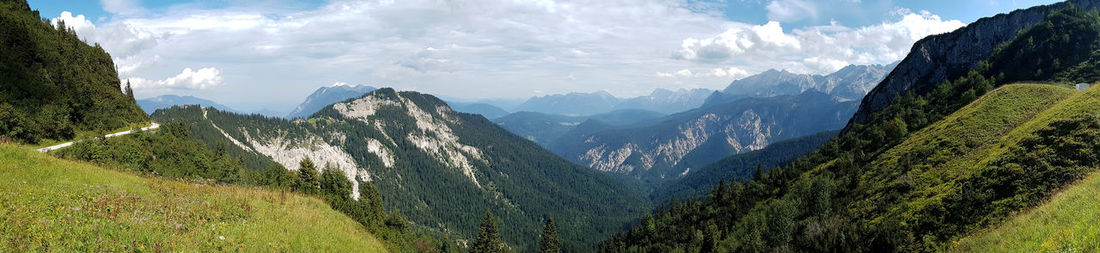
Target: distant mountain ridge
585, 104
484, 109
673, 146
849, 83
150, 105
544, 128
325, 96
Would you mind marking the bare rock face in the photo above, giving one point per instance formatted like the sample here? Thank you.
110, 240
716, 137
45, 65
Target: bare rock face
938, 58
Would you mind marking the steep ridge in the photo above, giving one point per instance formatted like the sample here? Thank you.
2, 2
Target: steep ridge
948, 56
55, 86
440, 168
673, 146
51, 204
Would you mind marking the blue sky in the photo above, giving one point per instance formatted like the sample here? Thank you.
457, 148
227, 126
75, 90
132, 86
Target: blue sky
270, 54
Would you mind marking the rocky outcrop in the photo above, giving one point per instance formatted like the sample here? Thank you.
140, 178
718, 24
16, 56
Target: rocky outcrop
433, 137
937, 58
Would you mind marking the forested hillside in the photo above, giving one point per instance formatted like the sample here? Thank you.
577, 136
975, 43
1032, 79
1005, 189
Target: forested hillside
54, 86
440, 168
924, 171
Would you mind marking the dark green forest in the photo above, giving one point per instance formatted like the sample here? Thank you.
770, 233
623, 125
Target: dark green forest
53, 85
839, 199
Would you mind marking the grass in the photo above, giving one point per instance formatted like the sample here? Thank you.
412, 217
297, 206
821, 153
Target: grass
50, 204
952, 148
1069, 222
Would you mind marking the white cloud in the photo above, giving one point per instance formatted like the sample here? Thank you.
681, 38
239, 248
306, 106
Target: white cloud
791, 10
471, 48
731, 72
204, 78
681, 73
817, 49
760, 40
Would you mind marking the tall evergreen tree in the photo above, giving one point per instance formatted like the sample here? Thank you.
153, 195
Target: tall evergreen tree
307, 172
130, 91
759, 171
334, 184
488, 239
371, 200
550, 242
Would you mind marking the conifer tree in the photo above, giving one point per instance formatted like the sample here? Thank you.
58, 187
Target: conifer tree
130, 91
371, 200
550, 243
759, 172
488, 239
307, 173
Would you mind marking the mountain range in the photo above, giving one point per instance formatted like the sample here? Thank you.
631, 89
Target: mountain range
586, 104
848, 83
439, 167
673, 146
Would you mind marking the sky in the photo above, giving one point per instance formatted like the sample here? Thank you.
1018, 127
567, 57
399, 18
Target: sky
271, 54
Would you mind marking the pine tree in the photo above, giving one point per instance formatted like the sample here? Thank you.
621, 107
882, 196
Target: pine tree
129, 91
550, 241
759, 172
334, 184
371, 200
307, 173
488, 239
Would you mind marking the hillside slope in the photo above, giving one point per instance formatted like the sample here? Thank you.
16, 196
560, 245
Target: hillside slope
1066, 223
51, 204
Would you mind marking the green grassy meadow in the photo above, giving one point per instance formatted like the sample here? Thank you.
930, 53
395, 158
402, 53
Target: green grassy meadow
49, 204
